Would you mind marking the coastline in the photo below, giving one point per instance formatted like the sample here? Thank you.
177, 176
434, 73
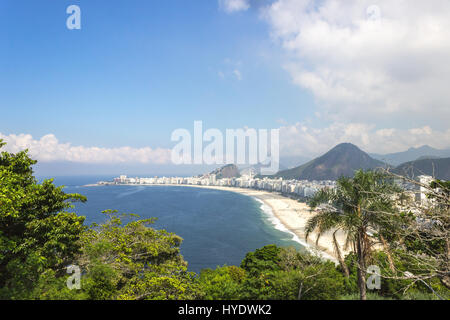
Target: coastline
291, 214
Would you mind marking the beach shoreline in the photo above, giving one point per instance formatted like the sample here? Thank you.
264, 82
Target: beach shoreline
292, 214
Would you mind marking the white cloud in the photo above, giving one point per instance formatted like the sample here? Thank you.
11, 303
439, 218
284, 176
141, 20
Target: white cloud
48, 148
230, 69
237, 74
295, 140
363, 61
302, 140
231, 6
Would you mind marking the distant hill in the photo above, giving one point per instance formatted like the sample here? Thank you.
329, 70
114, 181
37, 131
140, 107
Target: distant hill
412, 154
438, 168
293, 161
428, 158
342, 160
228, 171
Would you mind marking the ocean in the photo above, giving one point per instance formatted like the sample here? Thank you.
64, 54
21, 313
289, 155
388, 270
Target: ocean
218, 227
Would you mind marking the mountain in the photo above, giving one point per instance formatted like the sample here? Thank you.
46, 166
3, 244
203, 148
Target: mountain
228, 171
342, 160
293, 161
428, 158
412, 154
438, 168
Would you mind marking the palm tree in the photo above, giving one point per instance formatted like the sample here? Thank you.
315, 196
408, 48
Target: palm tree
357, 206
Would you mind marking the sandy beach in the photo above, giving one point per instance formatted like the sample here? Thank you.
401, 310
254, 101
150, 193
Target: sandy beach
294, 216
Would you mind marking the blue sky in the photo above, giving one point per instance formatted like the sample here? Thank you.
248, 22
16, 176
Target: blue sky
137, 70
374, 73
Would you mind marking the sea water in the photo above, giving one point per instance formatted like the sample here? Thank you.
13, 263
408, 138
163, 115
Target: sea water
218, 227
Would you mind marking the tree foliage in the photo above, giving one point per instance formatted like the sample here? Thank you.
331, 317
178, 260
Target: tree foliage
36, 231
134, 261
39, 238
363, 208
274, 273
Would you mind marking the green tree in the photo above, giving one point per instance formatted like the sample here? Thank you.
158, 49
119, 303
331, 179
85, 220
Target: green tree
130, 260
39, 239
290, 275
223, 283
357, 206
37, 234
264, 259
